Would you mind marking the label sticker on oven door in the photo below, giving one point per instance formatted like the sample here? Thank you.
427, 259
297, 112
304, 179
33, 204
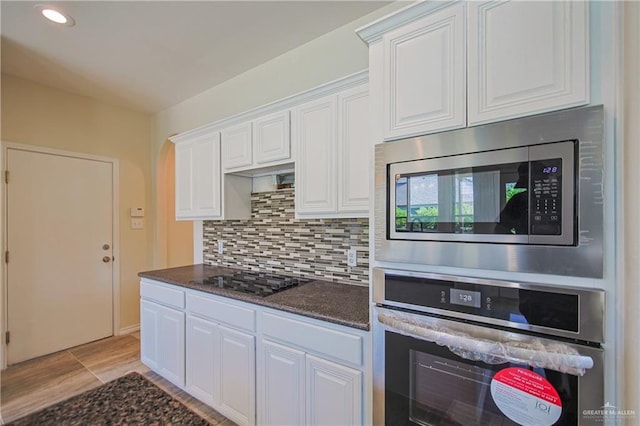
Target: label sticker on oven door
526, 397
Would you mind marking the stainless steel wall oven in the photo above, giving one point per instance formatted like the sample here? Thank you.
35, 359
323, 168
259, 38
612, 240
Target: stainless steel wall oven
522, 195
463, 351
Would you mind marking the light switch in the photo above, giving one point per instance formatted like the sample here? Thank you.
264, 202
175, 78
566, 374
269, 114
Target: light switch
137, 223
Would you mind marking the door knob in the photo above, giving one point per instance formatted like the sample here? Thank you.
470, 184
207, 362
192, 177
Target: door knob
106, 259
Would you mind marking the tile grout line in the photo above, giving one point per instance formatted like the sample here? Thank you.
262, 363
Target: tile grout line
85, 367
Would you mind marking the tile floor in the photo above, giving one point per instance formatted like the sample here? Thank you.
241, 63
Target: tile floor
38, 383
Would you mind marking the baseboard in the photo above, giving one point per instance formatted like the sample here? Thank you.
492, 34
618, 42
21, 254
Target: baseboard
129, 330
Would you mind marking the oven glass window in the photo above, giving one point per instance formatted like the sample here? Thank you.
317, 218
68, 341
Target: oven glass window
426, 384
479, 200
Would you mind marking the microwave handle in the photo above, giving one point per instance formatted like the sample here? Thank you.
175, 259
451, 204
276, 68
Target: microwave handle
532, 351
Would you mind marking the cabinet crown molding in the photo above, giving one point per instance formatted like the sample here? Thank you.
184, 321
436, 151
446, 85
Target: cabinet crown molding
335, 86
374, 31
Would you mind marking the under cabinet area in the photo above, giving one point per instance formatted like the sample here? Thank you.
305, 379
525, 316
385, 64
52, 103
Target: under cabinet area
254, 364
437, 66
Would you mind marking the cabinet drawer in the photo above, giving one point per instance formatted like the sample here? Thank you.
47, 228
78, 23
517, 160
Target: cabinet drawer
217, 310
165, 295
321, 340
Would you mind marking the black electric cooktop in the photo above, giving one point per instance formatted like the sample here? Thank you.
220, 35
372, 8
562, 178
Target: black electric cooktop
257, 283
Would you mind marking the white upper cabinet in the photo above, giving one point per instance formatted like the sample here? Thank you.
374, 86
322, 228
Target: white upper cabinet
236, 146
257, 143
316, 168
354, 146
437, 66
334, 144
202, 192
326, 131
526, 57
424, 75
198, 178
272, 138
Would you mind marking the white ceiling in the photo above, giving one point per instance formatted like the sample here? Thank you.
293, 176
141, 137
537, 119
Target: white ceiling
149, 55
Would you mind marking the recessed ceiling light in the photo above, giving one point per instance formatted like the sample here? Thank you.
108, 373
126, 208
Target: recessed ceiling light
54, 15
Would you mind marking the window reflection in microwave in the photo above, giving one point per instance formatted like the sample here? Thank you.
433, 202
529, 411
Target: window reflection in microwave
462, 201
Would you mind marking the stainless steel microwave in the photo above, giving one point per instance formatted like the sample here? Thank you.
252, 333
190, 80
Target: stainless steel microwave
524, 195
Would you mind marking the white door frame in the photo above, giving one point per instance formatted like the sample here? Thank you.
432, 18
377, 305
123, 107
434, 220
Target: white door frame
115, 243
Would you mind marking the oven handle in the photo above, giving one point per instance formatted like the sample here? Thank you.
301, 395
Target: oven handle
529, 350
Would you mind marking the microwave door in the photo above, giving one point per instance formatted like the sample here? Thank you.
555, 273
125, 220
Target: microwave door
461, 198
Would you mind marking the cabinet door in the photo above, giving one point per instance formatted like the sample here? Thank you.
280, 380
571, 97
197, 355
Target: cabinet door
198, 178
354, 150
316, 163
171, 345
207, 177
185, 206
149, 327
526, 57
283, 401
237, 376
202, 355
236, 146
334, 393
424, 75
272, 138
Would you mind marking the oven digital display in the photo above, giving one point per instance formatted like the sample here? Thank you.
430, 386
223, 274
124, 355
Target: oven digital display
464, 297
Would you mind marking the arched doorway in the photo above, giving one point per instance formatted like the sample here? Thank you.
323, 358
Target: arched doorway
174, 238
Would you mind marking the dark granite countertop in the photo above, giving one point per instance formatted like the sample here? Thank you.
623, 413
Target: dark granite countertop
325, 300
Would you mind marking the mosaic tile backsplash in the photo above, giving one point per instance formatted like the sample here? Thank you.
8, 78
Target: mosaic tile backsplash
274, 240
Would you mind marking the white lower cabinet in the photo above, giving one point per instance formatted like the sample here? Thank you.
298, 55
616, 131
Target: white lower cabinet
162, 339
334, 393
237, 376
283, 390
221, 368
311, 373
253, 364
300, 388
203, 357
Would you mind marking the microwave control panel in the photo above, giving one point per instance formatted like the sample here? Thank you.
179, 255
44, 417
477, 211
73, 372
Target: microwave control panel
545, 217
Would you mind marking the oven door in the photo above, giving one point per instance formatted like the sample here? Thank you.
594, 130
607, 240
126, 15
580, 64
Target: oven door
419, 382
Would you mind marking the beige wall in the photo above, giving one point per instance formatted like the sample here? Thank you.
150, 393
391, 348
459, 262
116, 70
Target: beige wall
329, 57
37, 115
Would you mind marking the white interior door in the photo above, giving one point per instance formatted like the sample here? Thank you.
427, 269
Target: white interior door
59, 238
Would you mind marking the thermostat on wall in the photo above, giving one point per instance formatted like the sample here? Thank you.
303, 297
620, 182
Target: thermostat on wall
137, 211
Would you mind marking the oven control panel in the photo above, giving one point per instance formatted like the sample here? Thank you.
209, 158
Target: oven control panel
534, 307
